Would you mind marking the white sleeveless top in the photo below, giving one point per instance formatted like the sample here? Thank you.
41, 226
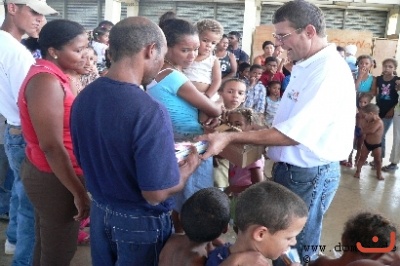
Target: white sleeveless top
201, 71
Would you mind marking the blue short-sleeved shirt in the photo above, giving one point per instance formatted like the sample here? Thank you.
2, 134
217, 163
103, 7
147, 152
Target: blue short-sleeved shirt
123, 141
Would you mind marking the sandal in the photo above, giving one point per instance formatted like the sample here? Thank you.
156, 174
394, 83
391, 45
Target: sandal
84, 223
83, 238
390, 167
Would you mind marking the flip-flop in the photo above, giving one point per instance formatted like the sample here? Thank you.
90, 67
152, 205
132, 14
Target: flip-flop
83, 238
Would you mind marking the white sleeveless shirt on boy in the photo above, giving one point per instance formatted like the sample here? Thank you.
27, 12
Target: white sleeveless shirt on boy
201, 71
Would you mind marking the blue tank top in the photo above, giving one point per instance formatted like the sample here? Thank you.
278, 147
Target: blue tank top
183, 115
365, 85
225, 64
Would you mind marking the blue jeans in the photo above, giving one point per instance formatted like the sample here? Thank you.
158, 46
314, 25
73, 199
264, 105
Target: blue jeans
387, 122
317, 187
6, 181
201, 178
122, 236
21, 228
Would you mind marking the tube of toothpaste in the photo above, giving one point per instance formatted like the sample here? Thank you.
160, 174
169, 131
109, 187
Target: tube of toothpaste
290, 256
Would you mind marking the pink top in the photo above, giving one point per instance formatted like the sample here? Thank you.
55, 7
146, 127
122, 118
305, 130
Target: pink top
241, 177
35, 155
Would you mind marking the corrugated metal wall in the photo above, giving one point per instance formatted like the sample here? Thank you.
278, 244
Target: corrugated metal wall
350, 19
229, 15
90, 12
87, 12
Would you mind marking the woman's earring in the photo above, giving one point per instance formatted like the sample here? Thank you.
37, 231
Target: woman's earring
55, 57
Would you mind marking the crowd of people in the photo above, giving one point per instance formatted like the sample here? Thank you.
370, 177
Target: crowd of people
91, 124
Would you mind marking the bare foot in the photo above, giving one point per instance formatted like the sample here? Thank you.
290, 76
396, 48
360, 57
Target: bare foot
357, 175
380, 178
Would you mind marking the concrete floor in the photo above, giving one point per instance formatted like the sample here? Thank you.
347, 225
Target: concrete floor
353, 195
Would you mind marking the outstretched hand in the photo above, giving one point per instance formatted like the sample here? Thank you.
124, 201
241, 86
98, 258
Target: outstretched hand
216, 143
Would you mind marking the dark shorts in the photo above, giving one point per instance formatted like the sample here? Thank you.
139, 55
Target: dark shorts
372, 147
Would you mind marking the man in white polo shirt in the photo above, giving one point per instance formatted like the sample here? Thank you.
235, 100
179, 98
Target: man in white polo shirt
314, 125
21, 16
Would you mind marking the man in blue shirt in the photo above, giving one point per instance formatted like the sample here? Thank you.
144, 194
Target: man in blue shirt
123, 141
241, 56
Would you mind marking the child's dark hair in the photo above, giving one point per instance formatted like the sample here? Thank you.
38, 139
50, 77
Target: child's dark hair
205, 215
267, 43
247, 113
105, 24
271, 59
223, 84
175, 29
255, 66
391, 60
370, 108
365, 56
243, 66
363, 227
271, 83
58, 33
367, 95
268, 204
98, 32
165, 17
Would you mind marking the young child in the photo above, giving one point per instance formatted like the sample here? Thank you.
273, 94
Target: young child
242, 178
272, 101
232, 93
256, 91
387, 97
372, 130
91, 72
205, 71
362, 228
204, 216
268, 217
271, 71
244, 72
100, 45
363, 79
363, 100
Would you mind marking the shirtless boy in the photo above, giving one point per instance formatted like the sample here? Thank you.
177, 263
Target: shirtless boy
372, 130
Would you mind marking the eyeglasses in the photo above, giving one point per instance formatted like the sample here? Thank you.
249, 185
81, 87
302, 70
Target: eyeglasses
280, 37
